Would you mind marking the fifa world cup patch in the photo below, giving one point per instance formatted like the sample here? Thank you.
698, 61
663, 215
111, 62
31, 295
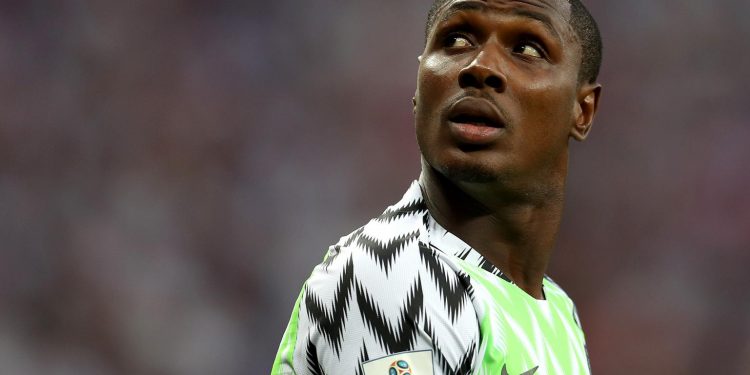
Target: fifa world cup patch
406, 363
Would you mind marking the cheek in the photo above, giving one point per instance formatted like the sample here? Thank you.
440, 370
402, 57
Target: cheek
436, 79
548, 114
436, 74
436, 65
551, 103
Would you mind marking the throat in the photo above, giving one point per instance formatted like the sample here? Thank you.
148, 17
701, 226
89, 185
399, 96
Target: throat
517, 239
533, 285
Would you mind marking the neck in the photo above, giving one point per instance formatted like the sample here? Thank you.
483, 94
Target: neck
514, 231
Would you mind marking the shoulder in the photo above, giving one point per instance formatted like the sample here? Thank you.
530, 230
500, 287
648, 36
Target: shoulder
372, 251
380, 249
381, 291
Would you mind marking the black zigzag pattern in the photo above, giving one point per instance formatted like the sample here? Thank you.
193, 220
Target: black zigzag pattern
489, 267
465, 363
403, 336
385, 253
333, 253
414, 207
330, 322
483, 262
313, 364
453, 293
353, 236
465, 281
363, 357
463, 254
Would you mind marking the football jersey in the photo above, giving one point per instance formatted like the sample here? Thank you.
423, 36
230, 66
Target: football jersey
401, 295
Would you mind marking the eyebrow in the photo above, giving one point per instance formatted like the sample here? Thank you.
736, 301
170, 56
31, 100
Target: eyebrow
461, 6
476, 5
541, 17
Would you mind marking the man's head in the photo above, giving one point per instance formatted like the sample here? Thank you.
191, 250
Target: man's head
502, 86
582, 23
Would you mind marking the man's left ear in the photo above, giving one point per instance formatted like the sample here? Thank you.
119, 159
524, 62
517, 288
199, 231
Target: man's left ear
414, 98
586, 106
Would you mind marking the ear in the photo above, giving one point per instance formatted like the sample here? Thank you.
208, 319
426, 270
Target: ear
586, 105
414, 98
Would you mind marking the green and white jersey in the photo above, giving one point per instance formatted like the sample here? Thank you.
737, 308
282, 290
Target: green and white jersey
401, 295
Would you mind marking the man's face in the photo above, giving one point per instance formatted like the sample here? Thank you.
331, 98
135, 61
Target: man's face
497, 91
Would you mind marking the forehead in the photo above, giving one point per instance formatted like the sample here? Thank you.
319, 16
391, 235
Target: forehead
558, 8
557, 12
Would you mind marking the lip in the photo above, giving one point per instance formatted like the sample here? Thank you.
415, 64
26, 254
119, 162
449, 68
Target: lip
475, 121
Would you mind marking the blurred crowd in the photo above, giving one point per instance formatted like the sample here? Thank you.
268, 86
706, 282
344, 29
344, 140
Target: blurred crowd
171, 171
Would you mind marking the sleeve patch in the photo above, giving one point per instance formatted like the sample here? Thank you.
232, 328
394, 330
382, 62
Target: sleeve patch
412, 363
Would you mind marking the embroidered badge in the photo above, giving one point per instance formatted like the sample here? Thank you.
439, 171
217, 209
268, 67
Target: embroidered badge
406, 363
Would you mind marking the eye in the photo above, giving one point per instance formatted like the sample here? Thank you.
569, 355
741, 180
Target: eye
457, 41
529, 49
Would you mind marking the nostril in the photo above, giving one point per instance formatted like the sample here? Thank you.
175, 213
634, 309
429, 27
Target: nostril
479, 77
468, 80
494, 81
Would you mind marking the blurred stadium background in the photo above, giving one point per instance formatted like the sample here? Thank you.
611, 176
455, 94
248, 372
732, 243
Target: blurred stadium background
170, 172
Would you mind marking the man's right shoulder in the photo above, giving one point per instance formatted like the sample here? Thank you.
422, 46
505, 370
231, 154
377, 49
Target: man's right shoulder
382, 240
363, 301
375, 249
380, 291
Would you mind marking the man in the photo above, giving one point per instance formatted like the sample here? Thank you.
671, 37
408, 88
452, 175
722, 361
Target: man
451, 279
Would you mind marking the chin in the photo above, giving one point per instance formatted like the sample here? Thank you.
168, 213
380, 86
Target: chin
468, 172
469, 164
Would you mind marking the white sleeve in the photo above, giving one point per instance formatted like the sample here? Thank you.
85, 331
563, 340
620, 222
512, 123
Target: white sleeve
371, 304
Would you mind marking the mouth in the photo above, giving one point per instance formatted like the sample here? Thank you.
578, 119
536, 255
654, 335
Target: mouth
475, 121
475, 111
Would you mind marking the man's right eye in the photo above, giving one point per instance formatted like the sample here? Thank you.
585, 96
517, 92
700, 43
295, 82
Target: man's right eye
457, 41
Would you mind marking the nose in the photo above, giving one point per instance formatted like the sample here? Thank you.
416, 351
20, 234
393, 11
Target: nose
483, 71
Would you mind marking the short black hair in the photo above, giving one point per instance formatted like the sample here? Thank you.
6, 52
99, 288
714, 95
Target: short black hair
580, 20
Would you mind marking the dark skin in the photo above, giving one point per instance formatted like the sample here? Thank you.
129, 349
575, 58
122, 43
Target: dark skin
498, 99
